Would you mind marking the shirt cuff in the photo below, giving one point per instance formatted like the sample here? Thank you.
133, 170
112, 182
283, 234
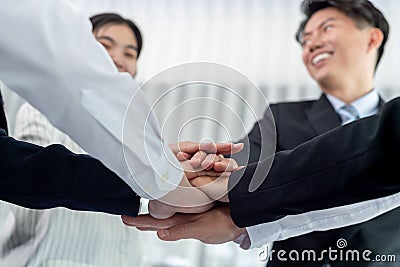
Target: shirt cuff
320, 220
162, 177
263, 234
243, 241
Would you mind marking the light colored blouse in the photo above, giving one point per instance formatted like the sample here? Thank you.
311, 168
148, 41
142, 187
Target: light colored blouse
61, 237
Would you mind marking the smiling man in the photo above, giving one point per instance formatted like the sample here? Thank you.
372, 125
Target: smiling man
342, 44
341, 52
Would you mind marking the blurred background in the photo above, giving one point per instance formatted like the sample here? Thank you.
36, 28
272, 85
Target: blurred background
253, 37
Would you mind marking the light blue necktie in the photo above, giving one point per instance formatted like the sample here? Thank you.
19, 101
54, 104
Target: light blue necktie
348, 114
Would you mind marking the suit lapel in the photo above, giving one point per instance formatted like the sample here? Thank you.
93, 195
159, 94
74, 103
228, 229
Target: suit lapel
3, 121
322, 116
380, 103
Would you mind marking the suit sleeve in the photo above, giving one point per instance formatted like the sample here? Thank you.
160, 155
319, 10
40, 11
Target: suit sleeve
41, 178
346, 165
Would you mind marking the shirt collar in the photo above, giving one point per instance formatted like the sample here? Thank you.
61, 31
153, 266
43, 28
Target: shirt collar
365, 105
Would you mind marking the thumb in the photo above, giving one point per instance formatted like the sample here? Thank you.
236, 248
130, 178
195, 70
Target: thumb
177, 232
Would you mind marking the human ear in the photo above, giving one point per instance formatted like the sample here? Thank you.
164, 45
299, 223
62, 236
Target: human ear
375, 38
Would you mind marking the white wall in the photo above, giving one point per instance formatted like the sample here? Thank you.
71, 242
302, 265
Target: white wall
255, 37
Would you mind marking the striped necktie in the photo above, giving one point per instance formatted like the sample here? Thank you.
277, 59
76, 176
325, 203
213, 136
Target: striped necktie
348, 114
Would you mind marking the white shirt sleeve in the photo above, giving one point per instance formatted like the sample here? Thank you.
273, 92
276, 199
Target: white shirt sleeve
50, 57
320, 220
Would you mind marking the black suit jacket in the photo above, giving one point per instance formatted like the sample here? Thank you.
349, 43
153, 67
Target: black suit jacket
297, 123
47, 177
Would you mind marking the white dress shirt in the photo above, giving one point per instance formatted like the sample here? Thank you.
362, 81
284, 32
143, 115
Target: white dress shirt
322, 220
50, 57
366, 105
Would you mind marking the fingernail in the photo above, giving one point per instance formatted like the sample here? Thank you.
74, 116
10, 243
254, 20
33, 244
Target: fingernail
163, 233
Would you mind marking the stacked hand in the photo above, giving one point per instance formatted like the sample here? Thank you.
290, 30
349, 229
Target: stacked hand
197, 204
214, 184
212, 227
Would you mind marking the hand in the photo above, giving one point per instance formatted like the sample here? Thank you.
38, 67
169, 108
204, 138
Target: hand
161, 210
216, 188
209, 160
215, 185
199, 152
185, 198
222, 168
212, 227
213, 182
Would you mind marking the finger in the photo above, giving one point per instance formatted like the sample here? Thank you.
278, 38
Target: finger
191, 147
160, 210
225, 165
211, 173
183, 156
180, 231
197, 159
209, 161
237, 148
146, 221
146, 229
186, 146
208, 146
229, 148
202, 181
216, 189
196, 209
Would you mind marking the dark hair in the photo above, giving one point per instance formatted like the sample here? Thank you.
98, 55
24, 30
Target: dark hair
360, 11
102, 19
